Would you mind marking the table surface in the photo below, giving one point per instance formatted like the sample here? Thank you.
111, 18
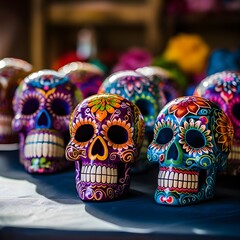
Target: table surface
48, 207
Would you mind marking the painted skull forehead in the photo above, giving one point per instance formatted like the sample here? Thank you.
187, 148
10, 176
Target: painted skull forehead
223, 88
106, 136
42, 105
192, 140
12, 71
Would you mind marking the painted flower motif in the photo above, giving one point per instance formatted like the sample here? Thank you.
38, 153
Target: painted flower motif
120, 137
133, 84
199, 140
226, 84
84, 131
224, 131
102, 106
188, 105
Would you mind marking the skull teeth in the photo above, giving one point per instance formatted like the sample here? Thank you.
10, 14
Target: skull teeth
43, 145
178, 180
98, 174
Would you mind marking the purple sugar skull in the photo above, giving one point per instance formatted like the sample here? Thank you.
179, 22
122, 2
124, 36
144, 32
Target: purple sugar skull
86, 76
43, 103
143, 92
223, 88
163, 79
12, 71
192, 140
106, 136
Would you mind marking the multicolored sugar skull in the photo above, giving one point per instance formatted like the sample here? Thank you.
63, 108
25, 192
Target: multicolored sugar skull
163, 79
86, 76
106, 136
192, 139
43, 103
12, 71
143, 92
223, 88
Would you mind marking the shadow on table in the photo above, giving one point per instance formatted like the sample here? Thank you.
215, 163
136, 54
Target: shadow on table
58, 187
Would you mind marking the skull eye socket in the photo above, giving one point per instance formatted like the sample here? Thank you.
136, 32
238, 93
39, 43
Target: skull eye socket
30, 106
146, 107
60, 107
117, 134
164, 136
236, 111
84, 133
195, 138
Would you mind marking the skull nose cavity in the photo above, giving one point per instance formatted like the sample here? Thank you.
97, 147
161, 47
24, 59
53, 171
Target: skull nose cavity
172, 152
98, 149
43, 119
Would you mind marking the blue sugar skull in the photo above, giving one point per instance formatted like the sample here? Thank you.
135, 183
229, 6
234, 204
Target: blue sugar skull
192, 138
143, 92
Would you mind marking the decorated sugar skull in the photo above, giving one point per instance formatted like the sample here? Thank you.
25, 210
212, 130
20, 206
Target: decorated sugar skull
192, 139
163, 79
223, 88
86, 76
12, 71
106, 136
143, 92
43, 104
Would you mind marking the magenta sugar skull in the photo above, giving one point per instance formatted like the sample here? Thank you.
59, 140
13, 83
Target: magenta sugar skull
106, 136
223, 88
86, 76
12, 71
43, 104
192, 140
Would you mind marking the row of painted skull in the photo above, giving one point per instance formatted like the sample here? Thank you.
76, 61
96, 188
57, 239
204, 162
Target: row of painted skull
128, 122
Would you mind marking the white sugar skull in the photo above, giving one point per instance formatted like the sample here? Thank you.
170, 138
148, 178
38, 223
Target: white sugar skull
192, 139
12, 72
43, 104
223, 88
106, 136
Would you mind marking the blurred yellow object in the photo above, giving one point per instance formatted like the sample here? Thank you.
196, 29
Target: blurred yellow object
189, 51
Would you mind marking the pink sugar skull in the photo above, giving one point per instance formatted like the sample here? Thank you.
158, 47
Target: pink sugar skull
86, 76
223, 88
106, 136
43, 104
12, 71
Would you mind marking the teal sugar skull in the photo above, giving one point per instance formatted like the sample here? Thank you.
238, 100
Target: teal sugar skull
192, 138
143, 92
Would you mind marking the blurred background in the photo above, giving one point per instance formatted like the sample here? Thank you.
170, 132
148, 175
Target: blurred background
50, 33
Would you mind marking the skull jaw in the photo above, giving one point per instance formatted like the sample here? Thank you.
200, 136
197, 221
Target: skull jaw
42, 151
101, 183
234, 159
188, 188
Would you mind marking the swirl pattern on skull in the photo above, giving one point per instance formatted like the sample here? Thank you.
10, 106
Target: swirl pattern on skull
192, 140
106, 136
